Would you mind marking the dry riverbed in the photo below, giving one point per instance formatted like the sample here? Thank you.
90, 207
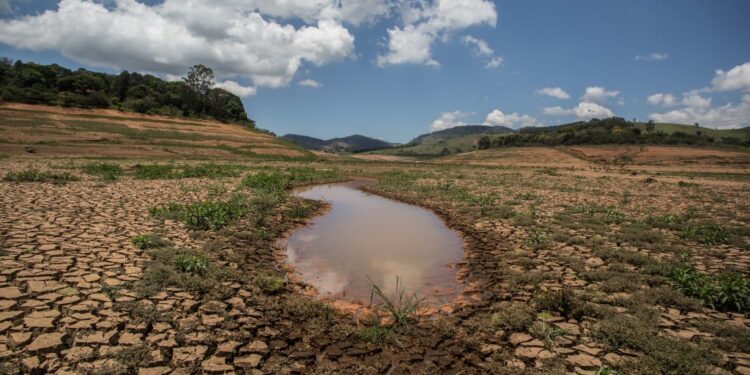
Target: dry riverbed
113, 268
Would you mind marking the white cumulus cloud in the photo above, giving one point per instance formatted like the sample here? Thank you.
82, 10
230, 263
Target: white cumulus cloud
310, 83
737, 78
695, 100
425, 23
698, 107
450, 120
511, 120
582, 111
728, 116
235, 38
480, 46
597, 94
236, 88
666, 100
554, 92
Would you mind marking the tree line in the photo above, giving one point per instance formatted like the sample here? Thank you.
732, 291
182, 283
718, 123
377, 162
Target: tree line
192, 97
614, 130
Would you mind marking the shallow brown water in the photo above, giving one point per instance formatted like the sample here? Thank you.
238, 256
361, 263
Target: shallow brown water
366, 237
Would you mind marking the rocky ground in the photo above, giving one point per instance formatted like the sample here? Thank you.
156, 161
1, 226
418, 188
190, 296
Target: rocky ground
564, 273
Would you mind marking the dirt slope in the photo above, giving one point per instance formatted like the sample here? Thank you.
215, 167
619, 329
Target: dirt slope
55, 131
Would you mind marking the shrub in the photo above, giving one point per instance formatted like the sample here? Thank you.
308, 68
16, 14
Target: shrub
34, 175
105, 171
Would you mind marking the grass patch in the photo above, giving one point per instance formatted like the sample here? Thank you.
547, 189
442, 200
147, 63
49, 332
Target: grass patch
34, 175
707, 234
171, 267
105, 171
203, 215
168, 172
661, 355
270, 283
291, 177
149, 241
514, 316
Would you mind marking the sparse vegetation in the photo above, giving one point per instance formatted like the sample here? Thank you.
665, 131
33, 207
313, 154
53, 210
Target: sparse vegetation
203, 215
149, 241
105, 171
35, 175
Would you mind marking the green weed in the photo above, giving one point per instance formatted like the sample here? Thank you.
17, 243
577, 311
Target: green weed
34, 175
193, 264
149, 241
105, 171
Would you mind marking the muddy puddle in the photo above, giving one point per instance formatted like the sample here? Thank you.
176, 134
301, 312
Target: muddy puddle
365, 239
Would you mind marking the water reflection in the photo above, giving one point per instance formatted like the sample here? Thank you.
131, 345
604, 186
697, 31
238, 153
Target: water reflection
363, 236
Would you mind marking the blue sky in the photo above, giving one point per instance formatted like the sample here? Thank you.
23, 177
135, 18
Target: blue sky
394, 69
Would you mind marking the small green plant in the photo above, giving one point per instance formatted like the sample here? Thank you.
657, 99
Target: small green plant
149, 241
34, 175
400, 308
604, 370
729, 291
536, 238
544, 330
375, 334
265, 181
192, 264
105, 171
707, 234
203, 215
270, 283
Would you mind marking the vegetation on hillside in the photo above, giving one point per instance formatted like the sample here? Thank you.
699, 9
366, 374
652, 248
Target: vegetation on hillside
352, 143
615, 130
193, 97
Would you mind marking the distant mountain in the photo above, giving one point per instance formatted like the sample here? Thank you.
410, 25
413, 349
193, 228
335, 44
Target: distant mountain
352, 143
460, 131
449, 141
308, 143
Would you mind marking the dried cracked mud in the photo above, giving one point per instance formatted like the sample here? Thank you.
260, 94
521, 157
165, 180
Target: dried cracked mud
70, 303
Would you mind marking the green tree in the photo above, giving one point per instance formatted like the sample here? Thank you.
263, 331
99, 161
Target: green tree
199, 79
650, 126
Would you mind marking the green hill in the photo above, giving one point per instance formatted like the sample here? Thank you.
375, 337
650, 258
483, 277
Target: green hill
449, 141
617, 130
